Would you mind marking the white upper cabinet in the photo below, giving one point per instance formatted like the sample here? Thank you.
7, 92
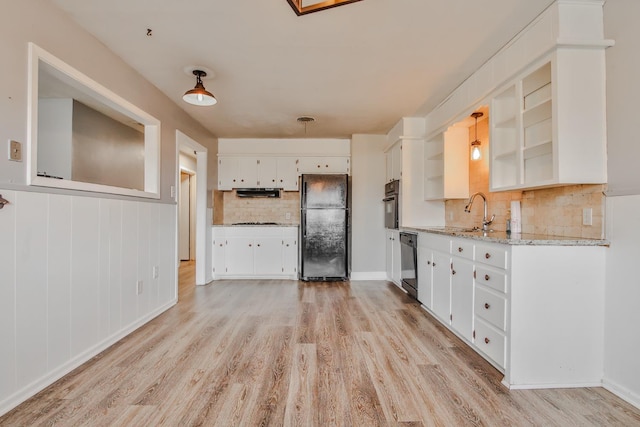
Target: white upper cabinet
227, 173
394, 162
278, 163
257, 172
548, 126
287, 173
322, 164
446, 165
248, 172
546, 90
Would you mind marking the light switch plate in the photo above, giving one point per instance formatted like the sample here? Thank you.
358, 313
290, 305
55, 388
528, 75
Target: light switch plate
15, 151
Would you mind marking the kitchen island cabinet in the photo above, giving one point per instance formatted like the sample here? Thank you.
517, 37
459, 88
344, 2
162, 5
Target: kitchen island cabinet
531, 305
253, 252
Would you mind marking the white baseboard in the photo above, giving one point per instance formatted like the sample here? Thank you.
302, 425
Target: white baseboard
622, 392
52, 376
368, 275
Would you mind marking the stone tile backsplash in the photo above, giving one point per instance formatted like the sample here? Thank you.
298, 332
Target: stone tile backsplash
240, 209
552, 211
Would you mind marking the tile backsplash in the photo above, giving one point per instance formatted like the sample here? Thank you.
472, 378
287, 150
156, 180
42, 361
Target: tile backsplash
236, 209
551, 211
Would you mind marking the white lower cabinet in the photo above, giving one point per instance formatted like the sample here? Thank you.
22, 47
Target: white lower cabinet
462, 296
534, 311
255, 252
393, 266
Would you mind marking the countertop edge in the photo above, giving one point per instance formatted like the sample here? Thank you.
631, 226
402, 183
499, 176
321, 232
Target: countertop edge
512, 239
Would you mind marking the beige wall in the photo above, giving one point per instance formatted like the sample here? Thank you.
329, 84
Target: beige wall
552, 211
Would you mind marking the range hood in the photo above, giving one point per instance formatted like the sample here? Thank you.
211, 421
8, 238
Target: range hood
258, 192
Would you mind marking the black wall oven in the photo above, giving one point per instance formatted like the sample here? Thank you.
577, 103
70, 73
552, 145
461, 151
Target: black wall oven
391, 196
409, 262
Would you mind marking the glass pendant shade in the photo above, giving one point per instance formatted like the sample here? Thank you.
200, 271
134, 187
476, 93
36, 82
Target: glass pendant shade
475, 153
475, 145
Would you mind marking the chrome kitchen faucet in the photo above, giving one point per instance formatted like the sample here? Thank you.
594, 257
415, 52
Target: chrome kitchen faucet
485, 221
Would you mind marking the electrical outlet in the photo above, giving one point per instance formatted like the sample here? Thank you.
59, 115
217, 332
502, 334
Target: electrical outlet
15, 151
173, 191
139, 287
287, 215
587, 216
155, 271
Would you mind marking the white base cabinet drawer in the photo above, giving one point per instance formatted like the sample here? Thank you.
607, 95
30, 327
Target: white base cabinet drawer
495, 256
492, 278
491, 307
490, 341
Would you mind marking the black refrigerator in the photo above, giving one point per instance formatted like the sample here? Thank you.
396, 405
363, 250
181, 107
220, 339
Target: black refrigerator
324, 227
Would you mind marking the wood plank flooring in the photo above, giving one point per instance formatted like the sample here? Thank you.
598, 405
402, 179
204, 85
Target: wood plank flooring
286, 353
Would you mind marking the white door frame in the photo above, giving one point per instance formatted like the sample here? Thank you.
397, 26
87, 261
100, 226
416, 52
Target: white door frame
203, 229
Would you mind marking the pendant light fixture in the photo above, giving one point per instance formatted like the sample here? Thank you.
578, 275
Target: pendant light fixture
199, 95
475, 145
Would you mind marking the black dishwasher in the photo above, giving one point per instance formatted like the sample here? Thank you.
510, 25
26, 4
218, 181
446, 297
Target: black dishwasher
409, 262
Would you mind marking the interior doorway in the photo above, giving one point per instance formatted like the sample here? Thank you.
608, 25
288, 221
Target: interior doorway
187, 214
191, 158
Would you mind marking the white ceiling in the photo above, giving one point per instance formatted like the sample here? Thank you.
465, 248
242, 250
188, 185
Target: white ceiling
356, 68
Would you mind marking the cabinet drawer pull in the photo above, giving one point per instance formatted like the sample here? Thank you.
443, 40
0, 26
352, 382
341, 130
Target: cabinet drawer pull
487, 305
486, 277
487, 340
434, 264
453, 272
487, 255
460, 249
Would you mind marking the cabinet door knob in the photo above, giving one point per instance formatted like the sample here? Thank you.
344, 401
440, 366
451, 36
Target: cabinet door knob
326, 166
453, 272
487, 255
486, 277
250, 245
273, 180
434, 264
234, 180
428, 262
460, 249
258, 244
487, 340
486, 305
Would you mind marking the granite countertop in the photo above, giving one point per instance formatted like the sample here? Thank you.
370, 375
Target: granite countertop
509, 239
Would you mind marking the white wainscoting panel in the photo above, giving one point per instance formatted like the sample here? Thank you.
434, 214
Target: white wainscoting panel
7, 295
31, 286
69, 267
59, 229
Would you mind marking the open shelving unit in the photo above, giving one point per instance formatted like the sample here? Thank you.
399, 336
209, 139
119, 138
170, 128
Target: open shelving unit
537, 126
505, 139
446, 165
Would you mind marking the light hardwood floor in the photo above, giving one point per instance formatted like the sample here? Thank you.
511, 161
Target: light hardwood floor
274, 353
